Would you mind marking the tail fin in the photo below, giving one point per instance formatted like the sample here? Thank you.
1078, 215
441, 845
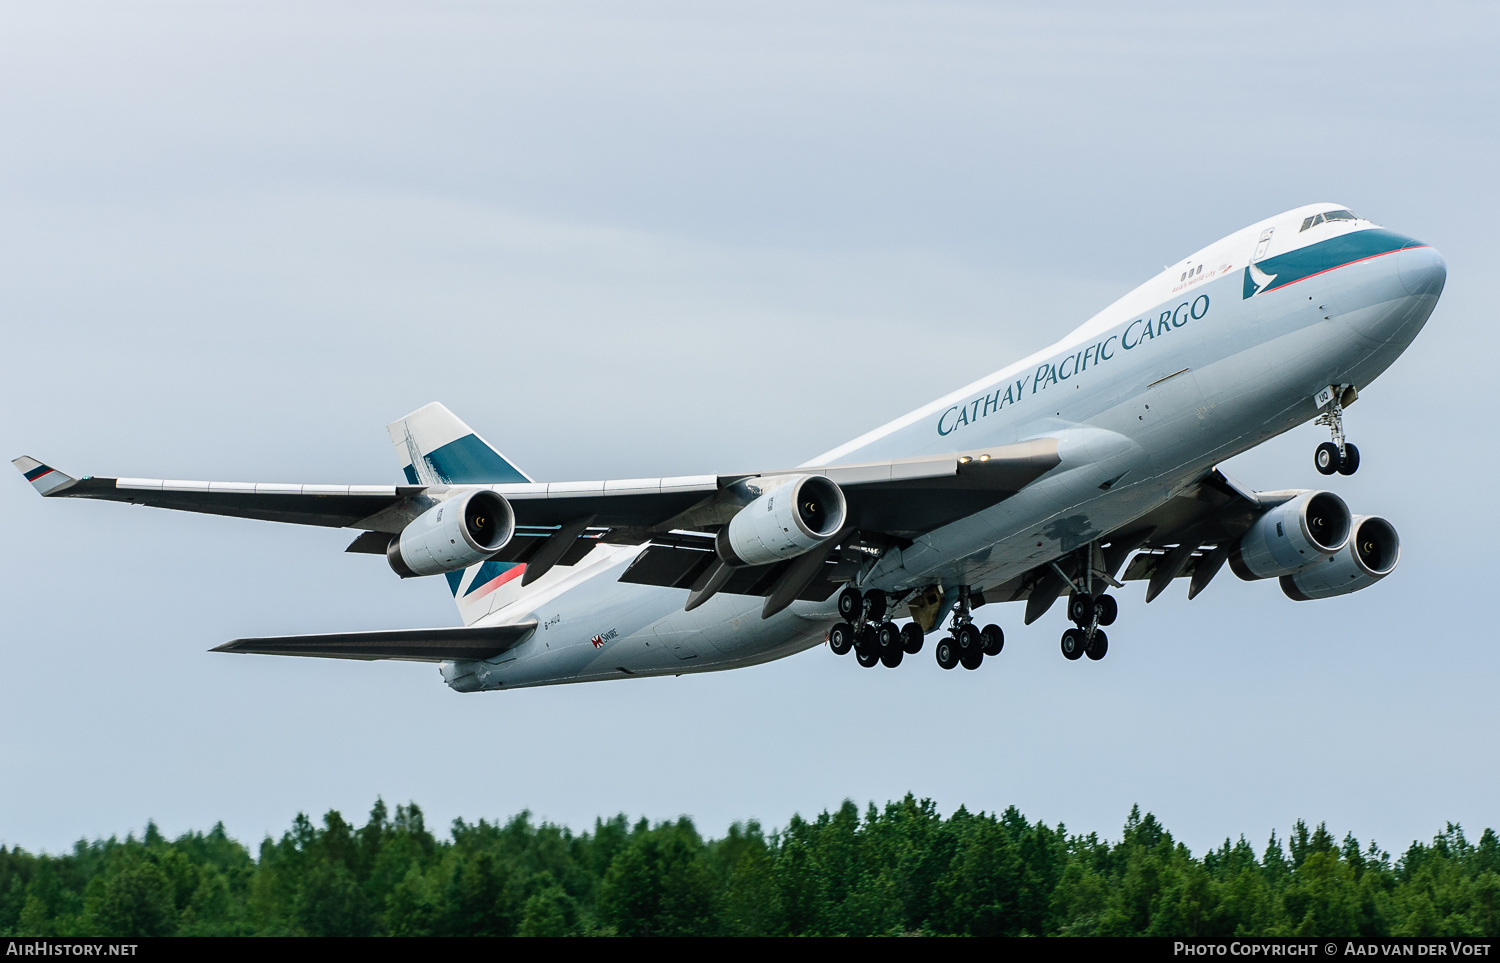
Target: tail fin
435, 448
480, 589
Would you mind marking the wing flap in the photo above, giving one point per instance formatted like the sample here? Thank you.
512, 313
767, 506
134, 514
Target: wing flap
407, 645
675, 566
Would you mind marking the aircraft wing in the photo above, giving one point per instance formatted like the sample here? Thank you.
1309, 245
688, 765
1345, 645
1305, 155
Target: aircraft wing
901, 498
1188, 536
409, 645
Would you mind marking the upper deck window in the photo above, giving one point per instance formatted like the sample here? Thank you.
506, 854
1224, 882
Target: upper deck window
1317, 219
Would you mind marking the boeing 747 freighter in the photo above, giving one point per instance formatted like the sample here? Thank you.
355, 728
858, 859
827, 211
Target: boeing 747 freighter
1064, 475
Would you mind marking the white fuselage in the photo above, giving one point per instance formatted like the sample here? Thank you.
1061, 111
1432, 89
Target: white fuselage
1206, 360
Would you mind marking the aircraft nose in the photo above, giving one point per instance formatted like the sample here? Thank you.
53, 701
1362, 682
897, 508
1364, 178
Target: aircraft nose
1421, 269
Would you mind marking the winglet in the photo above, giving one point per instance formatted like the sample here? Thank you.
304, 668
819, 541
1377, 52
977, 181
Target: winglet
44, 478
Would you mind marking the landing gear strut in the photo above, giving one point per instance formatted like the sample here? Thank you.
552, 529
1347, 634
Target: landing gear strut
969, 644
1087, 611
1088, 614
1337, 455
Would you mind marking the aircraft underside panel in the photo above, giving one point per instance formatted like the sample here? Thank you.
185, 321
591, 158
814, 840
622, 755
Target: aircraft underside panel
680, 567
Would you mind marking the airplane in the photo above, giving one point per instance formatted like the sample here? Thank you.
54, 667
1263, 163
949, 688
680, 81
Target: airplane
1087, 465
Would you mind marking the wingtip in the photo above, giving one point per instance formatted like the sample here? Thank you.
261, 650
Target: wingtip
44, 478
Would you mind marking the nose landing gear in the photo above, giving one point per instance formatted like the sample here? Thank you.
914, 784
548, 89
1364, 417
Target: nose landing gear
1337, 455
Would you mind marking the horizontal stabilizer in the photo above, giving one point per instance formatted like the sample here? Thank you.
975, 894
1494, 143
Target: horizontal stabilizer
408, 645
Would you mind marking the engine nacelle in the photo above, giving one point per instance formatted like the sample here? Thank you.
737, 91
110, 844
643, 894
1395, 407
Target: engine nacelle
1294, 535
790, 519
1373, 551
455, 534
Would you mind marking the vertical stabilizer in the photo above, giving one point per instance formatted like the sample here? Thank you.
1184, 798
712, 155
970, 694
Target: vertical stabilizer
481, 588
434, 447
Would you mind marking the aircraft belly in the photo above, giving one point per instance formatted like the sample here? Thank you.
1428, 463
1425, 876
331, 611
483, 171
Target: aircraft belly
1033, 541
601, 628
1110, 482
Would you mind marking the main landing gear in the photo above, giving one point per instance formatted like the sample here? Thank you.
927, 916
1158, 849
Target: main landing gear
967, 644
869, 632
1337, 455
1088, 614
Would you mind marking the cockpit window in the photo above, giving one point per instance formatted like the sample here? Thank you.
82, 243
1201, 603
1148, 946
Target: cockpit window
1329, 216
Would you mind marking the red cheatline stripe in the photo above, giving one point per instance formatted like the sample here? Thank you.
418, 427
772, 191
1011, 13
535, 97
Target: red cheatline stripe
496, 582
1414, 247
36, 473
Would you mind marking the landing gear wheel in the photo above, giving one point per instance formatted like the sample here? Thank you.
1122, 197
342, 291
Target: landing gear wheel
1106, 609
841, 638
1350, 464
890, 658
867, 657
971, 658
947, 654
1327, 458
967, 638
851, 603
911, 638
890, 637
1072, 644
991, 639
875, 605
1095, 647
1080, 608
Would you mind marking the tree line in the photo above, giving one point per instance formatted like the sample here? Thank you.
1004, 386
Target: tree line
898, 869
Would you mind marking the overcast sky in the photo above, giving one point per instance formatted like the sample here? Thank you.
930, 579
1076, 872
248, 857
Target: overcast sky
642, 239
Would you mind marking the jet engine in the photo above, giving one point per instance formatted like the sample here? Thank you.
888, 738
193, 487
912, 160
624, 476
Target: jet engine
1373, 551
793, 518
1297, 534
452, 535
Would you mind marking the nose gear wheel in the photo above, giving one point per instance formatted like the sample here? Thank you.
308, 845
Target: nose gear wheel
1338, 455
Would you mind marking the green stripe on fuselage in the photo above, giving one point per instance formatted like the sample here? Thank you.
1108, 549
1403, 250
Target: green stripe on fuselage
1304, 262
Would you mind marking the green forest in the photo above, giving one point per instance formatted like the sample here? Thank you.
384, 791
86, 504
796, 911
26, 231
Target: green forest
903, 869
